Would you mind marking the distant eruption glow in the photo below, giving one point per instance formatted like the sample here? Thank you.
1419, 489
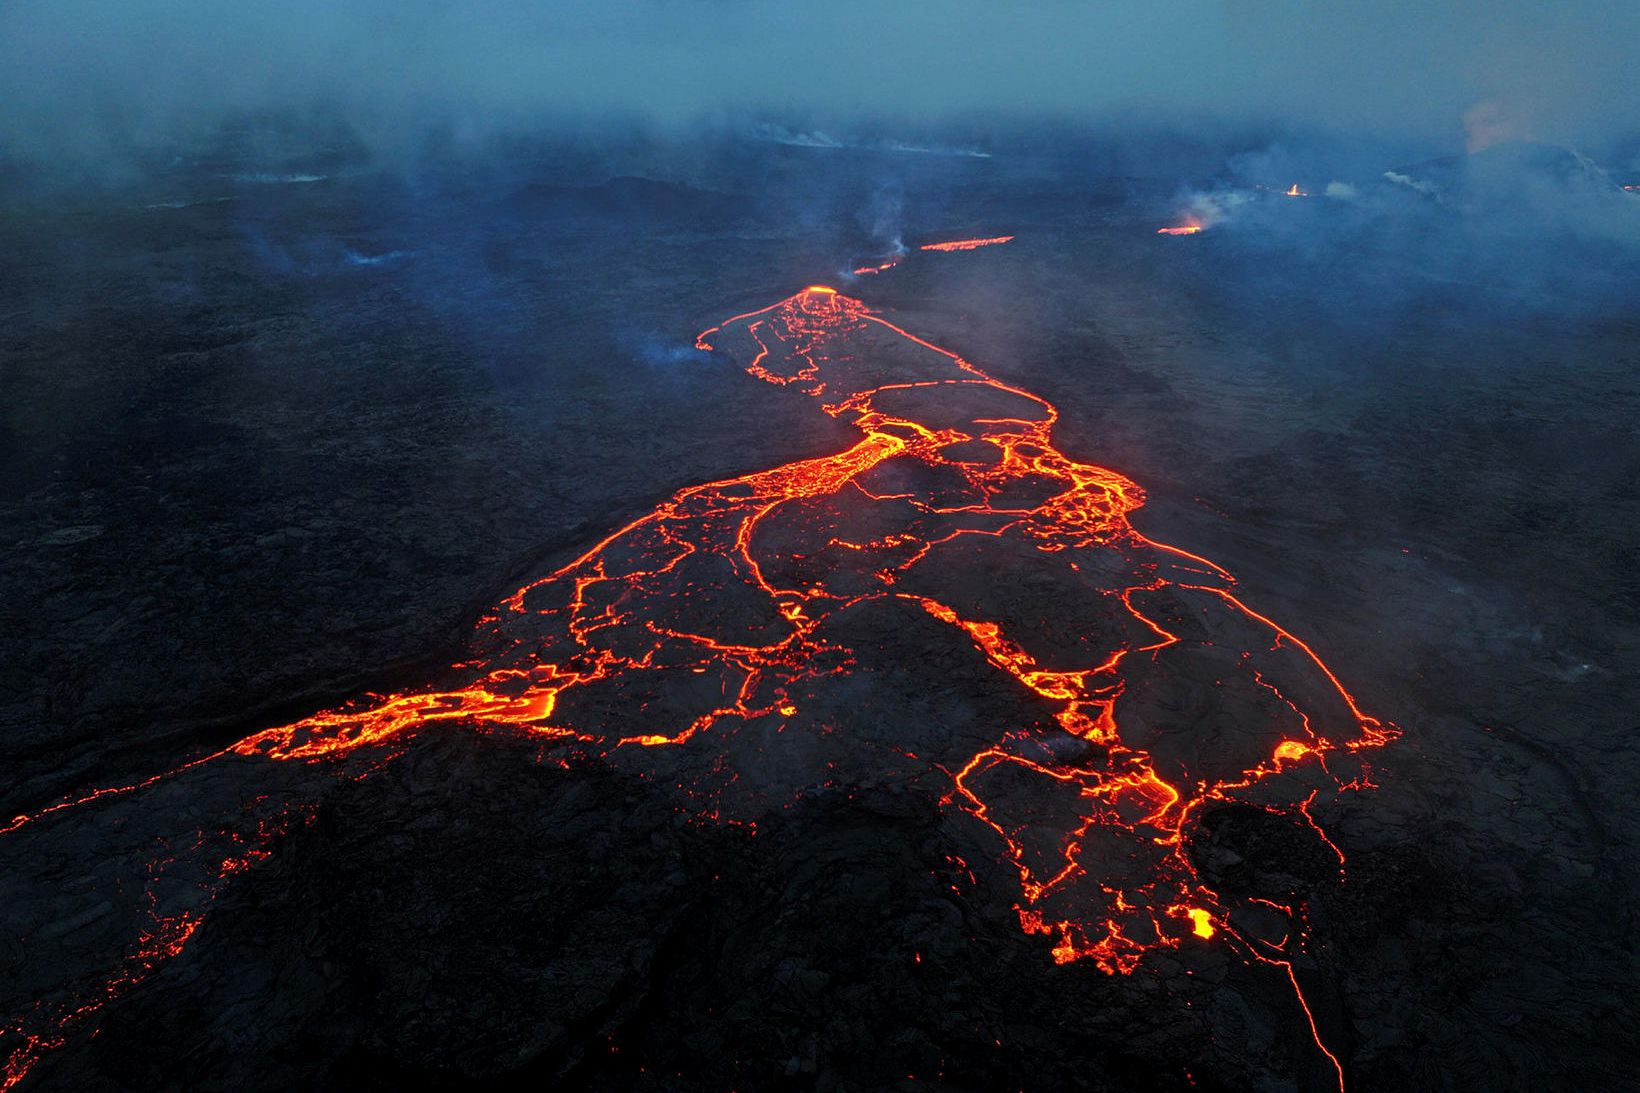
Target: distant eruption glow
967, 244
886, 264
749, 584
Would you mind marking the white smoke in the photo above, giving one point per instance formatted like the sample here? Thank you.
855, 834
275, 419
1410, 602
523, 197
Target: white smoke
1429, 189
1208, 209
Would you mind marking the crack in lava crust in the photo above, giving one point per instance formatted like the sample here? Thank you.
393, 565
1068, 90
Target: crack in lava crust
692, 642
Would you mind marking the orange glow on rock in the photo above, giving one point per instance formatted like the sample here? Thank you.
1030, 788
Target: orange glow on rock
1089, 802
1182, 229
967, 244
880, 267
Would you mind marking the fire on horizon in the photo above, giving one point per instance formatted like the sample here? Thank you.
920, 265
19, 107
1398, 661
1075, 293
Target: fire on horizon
967, 244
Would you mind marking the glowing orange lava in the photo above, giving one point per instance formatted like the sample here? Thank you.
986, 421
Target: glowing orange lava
745, 591
967, 244
1182, 229
1294, 191
887, 264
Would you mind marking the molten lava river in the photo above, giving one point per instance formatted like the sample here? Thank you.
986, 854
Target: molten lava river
721, 643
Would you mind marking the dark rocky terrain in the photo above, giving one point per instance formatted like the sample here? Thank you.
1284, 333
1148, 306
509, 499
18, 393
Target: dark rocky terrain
266, 451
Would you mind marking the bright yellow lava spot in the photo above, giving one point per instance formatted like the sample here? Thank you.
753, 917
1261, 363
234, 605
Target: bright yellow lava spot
827, 289
1291, 749
1201, 923
788, 710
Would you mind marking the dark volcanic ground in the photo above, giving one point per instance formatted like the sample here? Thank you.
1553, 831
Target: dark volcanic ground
264, 452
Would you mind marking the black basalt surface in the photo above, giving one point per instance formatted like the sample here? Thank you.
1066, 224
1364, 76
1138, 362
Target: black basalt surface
263, 453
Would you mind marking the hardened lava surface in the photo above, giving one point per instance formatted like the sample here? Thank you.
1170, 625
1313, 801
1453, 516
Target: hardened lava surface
1121, 698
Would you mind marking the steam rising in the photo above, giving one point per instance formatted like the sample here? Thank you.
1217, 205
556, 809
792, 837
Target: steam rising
91, 80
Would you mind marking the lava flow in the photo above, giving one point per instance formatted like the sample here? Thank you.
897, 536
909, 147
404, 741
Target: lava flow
1182, 229
1080, 695
886, 264
967, 244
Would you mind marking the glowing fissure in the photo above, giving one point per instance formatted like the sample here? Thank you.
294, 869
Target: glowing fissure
886, 264
1090, 798
967, 244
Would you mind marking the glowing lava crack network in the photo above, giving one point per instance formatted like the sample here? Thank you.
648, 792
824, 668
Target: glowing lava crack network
1118, 687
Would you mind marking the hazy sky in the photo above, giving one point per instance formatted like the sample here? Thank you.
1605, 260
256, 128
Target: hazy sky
85, 73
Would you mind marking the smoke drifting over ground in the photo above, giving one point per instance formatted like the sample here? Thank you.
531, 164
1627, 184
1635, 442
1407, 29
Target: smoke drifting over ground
326, 327
92, 80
